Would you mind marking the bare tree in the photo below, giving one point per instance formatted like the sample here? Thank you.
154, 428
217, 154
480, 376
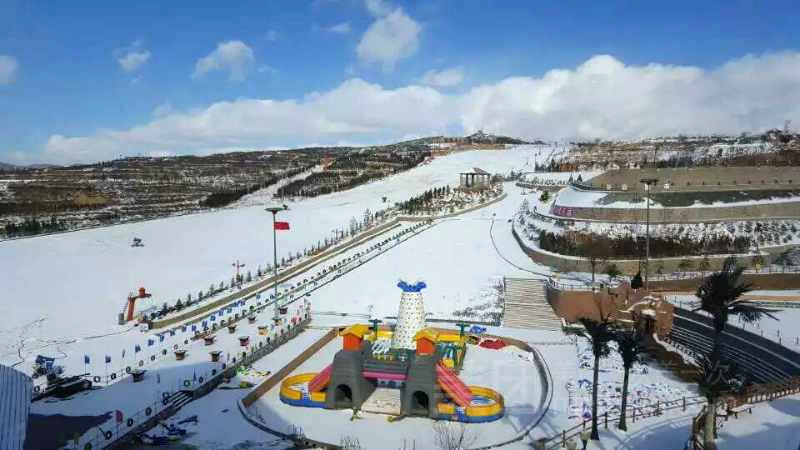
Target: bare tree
596, 251
452, 436
350, 443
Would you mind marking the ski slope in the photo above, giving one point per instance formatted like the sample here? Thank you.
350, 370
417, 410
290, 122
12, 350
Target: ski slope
78, 281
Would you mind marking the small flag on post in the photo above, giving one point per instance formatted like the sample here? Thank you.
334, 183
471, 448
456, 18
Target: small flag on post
119, 416
281, 225
108, 359
86, 359
137, 348
150, 342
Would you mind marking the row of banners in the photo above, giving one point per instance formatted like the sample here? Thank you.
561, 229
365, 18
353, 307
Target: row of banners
183, 329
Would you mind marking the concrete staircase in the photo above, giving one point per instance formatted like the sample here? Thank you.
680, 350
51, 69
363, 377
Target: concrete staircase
180, 399
527, 307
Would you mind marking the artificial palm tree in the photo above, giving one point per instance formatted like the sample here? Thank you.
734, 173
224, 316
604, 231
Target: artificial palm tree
599, 335
719, 297
630, 347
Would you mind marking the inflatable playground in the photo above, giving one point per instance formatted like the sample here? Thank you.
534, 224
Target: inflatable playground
402, 369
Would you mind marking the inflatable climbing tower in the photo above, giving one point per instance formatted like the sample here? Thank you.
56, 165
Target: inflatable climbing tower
410, 316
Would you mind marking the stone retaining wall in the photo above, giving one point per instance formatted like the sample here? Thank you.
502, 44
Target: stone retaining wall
783, 210
701, 179
630, 266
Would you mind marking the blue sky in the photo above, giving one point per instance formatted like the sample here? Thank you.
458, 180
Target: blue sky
110, 79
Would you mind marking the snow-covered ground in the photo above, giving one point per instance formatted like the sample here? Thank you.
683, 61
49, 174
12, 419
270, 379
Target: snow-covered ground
167, 375
78, 282
67, 289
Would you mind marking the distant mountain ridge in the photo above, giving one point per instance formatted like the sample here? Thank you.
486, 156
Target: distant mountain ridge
476, 138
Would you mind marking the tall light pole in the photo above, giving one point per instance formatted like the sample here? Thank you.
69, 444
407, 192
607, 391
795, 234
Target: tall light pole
647, 183
274, 210
238, 266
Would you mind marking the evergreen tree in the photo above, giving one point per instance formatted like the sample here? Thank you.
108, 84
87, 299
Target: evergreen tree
545, 196
636, 281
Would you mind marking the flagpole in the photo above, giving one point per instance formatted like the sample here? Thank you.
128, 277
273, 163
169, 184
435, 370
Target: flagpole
274, 210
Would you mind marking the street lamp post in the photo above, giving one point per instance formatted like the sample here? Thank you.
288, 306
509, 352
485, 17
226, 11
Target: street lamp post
274, 210
238, 266
647, 183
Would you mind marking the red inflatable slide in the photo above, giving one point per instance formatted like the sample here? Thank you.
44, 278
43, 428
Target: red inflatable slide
453, 386
320, 382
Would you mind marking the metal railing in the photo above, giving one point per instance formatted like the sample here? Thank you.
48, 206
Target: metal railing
634, 413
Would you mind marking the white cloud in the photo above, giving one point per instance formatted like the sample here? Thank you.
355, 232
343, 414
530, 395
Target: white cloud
443, 78
389, 39
235, 57
340, 28
133, 59
378, 8
601, 98
8, 69
163, 109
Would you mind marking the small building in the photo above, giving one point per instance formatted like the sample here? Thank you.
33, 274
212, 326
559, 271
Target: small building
353, 336
426, 341
475, 179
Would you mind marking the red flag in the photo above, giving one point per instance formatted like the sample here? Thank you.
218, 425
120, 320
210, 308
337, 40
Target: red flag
281, 225
119, 416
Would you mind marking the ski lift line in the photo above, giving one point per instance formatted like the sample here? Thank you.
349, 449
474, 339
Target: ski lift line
260, 287
333, 276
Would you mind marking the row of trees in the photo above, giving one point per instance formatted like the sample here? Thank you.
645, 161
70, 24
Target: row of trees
368, 219
588, 245
31, 226
720, 297
424, 201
